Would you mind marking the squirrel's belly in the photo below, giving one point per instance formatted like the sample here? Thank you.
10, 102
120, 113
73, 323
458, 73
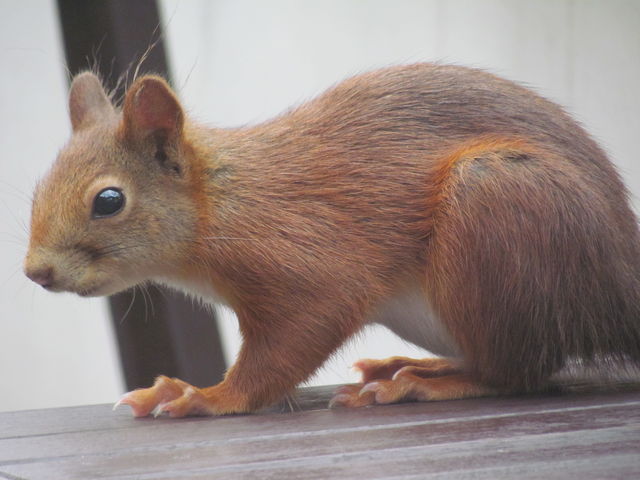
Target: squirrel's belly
409, 316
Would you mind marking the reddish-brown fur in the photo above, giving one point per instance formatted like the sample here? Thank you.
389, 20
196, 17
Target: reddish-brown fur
501, 207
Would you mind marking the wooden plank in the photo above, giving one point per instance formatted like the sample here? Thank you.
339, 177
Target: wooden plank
600, 447
451, 442
487, 438
101, 417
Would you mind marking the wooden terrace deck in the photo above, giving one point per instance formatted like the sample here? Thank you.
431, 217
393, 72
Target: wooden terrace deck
583, 435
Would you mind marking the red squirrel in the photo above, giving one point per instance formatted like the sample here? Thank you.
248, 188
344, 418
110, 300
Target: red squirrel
466, 213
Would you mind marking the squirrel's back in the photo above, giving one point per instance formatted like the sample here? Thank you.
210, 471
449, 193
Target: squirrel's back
412, 117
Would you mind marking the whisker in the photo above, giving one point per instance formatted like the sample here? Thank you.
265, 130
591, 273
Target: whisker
162, 290
133, 298
148, 302
24, 285
111, 249
292, 403
101, 252
33, 293
10, 277
17, 192
24, 226
15, 240
153, 307
231, 238
144, 299
11, 212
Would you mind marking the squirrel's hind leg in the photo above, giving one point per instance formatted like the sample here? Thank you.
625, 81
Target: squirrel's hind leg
385, 369
400, 379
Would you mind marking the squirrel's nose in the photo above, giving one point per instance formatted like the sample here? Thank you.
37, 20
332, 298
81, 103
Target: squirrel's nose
43, 276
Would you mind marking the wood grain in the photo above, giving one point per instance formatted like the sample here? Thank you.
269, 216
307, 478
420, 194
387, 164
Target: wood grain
592, 434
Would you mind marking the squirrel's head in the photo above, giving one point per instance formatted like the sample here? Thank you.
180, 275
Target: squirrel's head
115, 209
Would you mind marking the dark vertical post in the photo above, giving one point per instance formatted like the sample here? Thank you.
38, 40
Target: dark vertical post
173, 337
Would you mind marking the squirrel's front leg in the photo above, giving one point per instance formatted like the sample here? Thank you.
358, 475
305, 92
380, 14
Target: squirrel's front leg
275, 357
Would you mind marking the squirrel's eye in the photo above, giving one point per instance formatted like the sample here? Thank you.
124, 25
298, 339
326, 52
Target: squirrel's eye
108, 202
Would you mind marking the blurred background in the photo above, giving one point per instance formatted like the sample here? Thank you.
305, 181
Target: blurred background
237, 62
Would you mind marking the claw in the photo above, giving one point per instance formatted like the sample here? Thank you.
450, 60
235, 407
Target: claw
351, 396
370, 387
138, 408
383, 391
158, 410
116, 405
341, 400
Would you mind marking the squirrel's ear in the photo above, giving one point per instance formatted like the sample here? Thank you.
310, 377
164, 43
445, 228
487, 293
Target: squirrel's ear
152, 110
88, 101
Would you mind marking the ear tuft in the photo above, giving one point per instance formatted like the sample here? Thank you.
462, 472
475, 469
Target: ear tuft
152, 110
88, 102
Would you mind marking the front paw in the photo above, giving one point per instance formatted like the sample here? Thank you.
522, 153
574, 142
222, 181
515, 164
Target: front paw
169, 396
143, 401
175, 398
191, 402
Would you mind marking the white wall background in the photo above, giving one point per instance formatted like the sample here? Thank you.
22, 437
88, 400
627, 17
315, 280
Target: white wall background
242, 61
54, 349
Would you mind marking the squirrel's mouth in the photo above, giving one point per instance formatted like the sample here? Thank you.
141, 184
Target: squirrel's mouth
88, 292
93, 290
101, 289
